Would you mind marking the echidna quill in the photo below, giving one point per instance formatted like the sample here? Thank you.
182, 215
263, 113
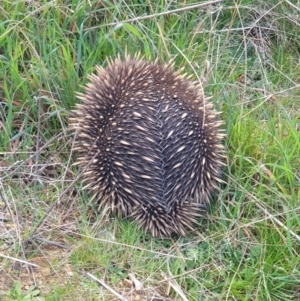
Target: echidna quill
149, 144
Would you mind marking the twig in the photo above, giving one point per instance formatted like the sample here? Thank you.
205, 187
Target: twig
173, 283
37, 146
54, 204
266, 212
168, 279
50, 242
165, 13
24, 162
276, 220
134, 247
292, 5
106, 286
19, 260
46, 215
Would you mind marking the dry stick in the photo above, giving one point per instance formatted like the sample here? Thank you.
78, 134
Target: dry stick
37, 146
265, 211
59, 197
4, 201
50, 242
165, 13
52, 206
68, 164
168, 279
133, 247
178, 290
107, 287
292, 5
18, 225
29, 158
57, 200
173, 283
273, 218
19, 260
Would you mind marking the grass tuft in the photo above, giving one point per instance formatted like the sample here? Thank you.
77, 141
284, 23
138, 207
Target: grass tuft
247, 55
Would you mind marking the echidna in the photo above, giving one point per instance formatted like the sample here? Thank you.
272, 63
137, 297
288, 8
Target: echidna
149, 144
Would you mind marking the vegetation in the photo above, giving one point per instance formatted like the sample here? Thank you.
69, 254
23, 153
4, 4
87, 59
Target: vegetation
53, 248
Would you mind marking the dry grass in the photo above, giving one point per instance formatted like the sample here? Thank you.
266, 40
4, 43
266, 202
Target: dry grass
53, 248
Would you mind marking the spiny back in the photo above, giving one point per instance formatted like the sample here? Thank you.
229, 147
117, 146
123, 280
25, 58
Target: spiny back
149, 144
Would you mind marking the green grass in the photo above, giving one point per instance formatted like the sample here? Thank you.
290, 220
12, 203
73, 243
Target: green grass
249, 246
